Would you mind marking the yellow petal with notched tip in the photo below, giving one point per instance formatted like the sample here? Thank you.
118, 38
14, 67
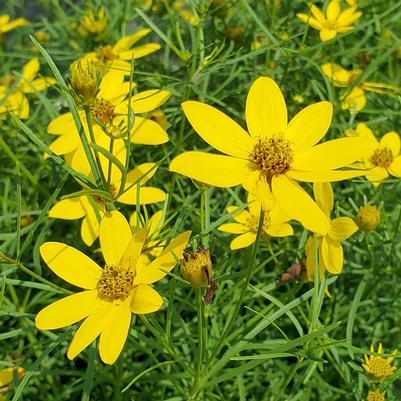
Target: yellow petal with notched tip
342, 228
145, 300
243, 241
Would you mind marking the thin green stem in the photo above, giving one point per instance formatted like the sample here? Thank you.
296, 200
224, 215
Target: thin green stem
111, 147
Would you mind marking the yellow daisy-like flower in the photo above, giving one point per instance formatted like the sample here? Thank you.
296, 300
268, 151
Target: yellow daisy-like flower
7, 25
110, 294
374, 395
333, 22
275, 154
13, 89
92, 23
247, 223
330, 249
356, 99
377, 367
119, 55
382, 158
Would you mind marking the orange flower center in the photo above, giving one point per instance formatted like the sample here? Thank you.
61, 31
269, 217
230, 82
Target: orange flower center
115, 283
273, 155
103, 110
382, 157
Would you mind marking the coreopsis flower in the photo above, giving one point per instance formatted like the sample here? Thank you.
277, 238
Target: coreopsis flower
276, 154
330, 249
119, 55
111, 294
377, 367
368, 218
356, 99
375, 395
92, 23
335, 21
13, 89
7, 25
197, 267
7, 376
247, 223
381, 158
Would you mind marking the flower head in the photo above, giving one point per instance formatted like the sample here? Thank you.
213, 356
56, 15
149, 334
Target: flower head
368, 218
374, 395
110, 294
196, 267
84, 78
7, 25
93, 23
377, 367
276, 153
333, 22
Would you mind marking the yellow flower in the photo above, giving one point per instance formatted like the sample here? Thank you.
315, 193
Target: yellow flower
352, 2
13, 89
368, 218
247, 223
7, 375
275, 154
6, 25
110, 294
374, 395
84, 78
92, 23
382, 158
377, 367
119, 55
329, 244
333, 22
356, 99
42, 36
197, 268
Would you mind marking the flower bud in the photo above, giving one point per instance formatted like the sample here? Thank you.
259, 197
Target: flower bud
368, 218
196, 267
84, 74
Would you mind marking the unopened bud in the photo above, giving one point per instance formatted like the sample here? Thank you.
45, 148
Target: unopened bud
84, 78
368, 218
196, 267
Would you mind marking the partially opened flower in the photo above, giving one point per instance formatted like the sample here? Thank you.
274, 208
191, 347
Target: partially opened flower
7, 25
13, 89
356, 99
377, 367
382, 158
92, 23
275, 154
376, 395
247, 223
335, 21
111, 294
329, 244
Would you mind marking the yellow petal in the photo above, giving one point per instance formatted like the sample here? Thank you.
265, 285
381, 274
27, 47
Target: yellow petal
355, 101
111, 87
133, 249
115, 234
64, 144
337, 74
266, 112
145, 300
332, 154
217, 129
67, 311
217, 170
257, 185
91, 328
30, 70
13, 24
243, 241
348, 17
156, 222
240, 216
114, 334
280, 230
16, 103
391, 140
395, 167
165, 262
323, 194
327, 34
313, 22
89, 230
141, 173
377, 175
38, 84
127, 41
69, 209
63, 124
141, 51
332, 254
317, 13
149, 100
71, 265
147, 132
233, 228
325, 176
147, 195
342, 228
309, 126
333, 10
298, 205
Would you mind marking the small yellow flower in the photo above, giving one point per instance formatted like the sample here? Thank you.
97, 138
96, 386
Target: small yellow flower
356, 99
6, 25
298, 98
84, 78
7, 375
110, 295
196, 267
42, 36
368, 218
329, 245
377, 367
247, 223
374, 395
93, 23
333, 22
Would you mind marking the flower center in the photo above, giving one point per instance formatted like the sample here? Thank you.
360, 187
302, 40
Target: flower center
106, 54
379, 368
253, 223
273, 155
383, 157
103, 110
115, 283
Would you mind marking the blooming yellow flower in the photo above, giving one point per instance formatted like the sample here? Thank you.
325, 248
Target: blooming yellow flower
330, 249
119, 55
377, 367
110, 294
333, 22
356, 99
6, 25
368, 218
247, 223
275, 154
13, 89
374, 395
381, 158
92, 23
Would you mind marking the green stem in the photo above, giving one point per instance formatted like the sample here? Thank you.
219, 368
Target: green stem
111, 147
